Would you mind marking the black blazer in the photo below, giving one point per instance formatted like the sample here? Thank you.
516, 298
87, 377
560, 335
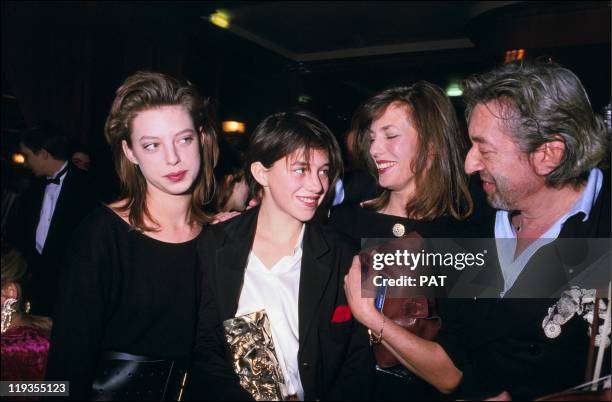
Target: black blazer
74, 203
335, 360
499, 344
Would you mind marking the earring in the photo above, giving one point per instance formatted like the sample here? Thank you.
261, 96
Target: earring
7, 313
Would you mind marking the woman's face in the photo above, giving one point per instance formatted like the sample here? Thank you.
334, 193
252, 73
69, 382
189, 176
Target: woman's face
295, 186
393, 147
166, 148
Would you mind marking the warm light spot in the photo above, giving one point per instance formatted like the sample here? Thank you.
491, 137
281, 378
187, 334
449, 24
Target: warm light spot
233, 127
220, 19
515, 54
18, 158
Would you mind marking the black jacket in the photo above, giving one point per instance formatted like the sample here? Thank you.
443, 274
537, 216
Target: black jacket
499, 344
335, 361
74, 203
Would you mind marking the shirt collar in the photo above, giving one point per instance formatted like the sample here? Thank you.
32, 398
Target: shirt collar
58, 171
300, 240
584, 204
586, 200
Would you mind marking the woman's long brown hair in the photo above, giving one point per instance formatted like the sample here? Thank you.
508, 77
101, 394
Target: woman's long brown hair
441, 184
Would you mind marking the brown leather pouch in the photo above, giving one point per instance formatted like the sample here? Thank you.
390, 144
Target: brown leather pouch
417, 315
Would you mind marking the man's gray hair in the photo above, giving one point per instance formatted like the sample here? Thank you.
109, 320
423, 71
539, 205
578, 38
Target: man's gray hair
542, 102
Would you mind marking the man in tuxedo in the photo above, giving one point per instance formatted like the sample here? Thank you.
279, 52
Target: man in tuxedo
57, 200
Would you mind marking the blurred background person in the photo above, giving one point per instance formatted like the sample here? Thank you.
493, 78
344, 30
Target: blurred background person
58, 199
357, 184
232, 190
81, 157
25, 338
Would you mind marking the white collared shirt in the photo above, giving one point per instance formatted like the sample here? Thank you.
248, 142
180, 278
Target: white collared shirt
52, 192
505, 234
277, 291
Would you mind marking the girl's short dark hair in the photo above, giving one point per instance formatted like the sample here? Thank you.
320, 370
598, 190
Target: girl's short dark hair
281, 134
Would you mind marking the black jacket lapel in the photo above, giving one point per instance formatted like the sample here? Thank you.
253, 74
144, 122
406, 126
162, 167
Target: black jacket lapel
60, 225
315, 273
231, 260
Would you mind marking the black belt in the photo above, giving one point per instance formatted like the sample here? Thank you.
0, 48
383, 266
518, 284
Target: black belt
126, 377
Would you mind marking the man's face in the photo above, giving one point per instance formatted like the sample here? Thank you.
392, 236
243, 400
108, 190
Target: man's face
36, 162
507, 177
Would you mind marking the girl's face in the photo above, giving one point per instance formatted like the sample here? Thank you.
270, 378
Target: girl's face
295, 186
393, 147
166, 148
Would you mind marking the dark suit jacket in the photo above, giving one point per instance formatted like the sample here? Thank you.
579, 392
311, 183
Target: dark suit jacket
74, 203
499, 344
335, 361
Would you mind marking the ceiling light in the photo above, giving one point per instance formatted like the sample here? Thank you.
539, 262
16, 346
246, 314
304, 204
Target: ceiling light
454, 90
220, 19
233, 127
304, 98
18, 158
515, 54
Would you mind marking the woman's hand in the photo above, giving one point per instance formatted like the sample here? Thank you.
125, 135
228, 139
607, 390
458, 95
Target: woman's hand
253, 202
362, 308
425, 358
223, 216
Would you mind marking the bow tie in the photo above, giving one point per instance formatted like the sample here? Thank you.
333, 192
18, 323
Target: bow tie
56, 179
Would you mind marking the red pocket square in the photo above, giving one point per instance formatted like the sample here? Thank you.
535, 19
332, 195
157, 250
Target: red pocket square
341, 314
